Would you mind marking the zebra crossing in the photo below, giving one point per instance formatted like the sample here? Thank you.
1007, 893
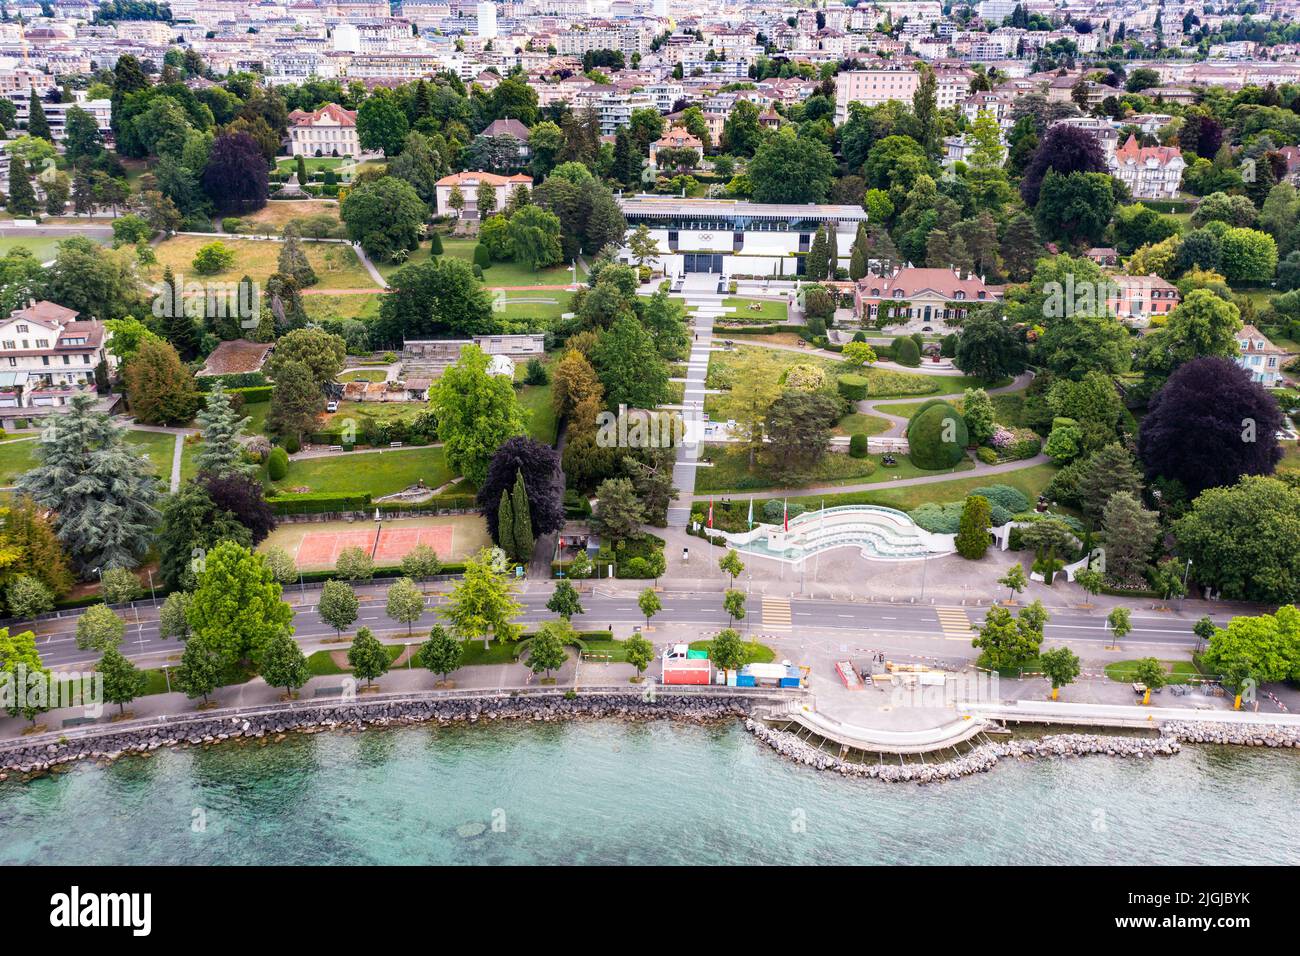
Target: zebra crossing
955, 623
776, 613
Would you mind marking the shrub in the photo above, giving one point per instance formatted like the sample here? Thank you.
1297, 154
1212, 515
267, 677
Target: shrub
906, 352
938, 517
858, 445
292, 444
213, 258
937, 437
232, 224
987, 455
435, 244
852, 387
772, 511
277, 465
482, 258
1012, 499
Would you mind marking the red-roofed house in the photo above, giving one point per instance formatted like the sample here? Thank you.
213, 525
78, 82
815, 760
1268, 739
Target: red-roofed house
1260, 357
1150, 172
330, 131
929, 296
48, 355
468, 183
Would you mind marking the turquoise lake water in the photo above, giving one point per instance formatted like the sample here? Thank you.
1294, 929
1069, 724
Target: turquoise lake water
603, 792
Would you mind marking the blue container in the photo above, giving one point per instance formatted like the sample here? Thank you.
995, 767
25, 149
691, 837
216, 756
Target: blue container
789, 682
746, 680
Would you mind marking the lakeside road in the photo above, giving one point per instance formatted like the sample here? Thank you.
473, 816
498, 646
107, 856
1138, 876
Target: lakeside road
900, 623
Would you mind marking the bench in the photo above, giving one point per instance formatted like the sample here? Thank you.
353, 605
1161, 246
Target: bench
336, 691
394, 444
77, 721
336, 447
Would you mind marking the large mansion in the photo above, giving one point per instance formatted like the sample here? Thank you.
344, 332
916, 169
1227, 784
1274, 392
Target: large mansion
929, 296
330, 131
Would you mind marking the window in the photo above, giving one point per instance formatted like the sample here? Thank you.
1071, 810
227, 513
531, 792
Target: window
22, 328
42, 343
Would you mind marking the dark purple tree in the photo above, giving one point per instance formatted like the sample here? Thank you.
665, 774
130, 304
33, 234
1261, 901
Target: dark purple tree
235, 178
1066, 149
242, 496
542, 480
1201, 135
1210, 425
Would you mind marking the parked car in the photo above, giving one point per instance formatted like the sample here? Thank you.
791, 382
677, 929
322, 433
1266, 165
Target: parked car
331, 406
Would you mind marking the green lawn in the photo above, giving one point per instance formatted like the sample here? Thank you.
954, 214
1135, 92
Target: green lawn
43, 249
336, 265
364, 375
1030, 480
321, 664
856, 423
1008, 407
1176, 672
378, 472
497, 274
539, 413
730, 472
768, 311
533, 316
362, 307
755, 653
314, 164
18, 456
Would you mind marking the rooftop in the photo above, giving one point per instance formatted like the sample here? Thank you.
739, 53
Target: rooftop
635, 206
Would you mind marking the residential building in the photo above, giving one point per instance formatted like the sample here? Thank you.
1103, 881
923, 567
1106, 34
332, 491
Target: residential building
329, 131
928, 296
468, 183
1150, 172
1260, 357
48, 355
874, 87
1135, 299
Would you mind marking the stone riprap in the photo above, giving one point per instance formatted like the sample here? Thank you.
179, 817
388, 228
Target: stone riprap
198, 730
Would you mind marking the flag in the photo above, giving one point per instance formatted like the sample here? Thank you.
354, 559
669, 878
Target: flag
751, 514
785, 514
710, 512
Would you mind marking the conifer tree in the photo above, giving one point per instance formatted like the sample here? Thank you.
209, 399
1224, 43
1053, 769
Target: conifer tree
506, 525
22, 197
523, 533
832, 252
816, 260
221, 428
293, 262
37, 124
101, 490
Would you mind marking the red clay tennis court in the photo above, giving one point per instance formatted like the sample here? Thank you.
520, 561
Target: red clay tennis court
388, 545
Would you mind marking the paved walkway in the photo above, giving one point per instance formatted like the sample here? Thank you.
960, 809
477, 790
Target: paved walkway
921, 369
700, 292
177, 452
898, 423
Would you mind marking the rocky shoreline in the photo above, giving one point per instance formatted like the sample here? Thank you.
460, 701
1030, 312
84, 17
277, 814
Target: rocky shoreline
984, 757
198, 731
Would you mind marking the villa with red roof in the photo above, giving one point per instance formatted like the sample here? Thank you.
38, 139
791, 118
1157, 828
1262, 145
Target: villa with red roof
330, 131
468, 184
48, 355
1150, 172
921, 295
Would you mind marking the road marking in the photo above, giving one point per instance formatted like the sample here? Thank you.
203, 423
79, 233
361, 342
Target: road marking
776, 613
953, 621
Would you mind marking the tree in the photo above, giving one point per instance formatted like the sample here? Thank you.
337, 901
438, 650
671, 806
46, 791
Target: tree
28, 596
322, 353
573, 381
405, 602
293, 261
440, 654
1006, 643
1074, 207
37, 125
119, 586
481, 603
535, 238
629, 365
81, 137
99, 628
421, 562
123, 681
1256, 650
1248, 256
354, 564
384, 216
476, 413
727, 651
731, 564
649, 603
977, 411
858, 355
172, 616
1014, 580
381, 123
1167, 579
790, 169
1119, 623
22, 197
1204, 629
1060, 666
989, 350
283, 664
1150, 672
1064, 149
733, 602
1090, 580
192, 524
1244, 540
638, 652
237, 604
798, 425
221, 429
161, 389
367, 657
235, 177
1075, 345
537, 466
973, 536
296, 401
433, 299
564, 600
619, 512
338, 605
937, 437
100, 490
1109, 470
741, 132
546, 651
199, 673
1209, 425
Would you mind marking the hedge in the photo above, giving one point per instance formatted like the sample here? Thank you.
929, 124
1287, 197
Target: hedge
384, 571
277, 464
937, 437
858, 445
852, 387
317, 502
236, 380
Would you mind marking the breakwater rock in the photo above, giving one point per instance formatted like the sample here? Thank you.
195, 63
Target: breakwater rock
197, 729
979, 759
1240, 735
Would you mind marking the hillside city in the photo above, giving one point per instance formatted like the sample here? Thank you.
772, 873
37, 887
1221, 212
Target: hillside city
894, 375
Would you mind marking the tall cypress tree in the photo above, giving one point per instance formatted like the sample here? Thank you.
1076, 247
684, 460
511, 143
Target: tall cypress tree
37, 124
523, 533
178, 328
816, 259
506, 525
832, 251
22, 197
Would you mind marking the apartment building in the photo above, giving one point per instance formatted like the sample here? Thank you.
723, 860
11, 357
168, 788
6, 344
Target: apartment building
48, 355
874, 87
